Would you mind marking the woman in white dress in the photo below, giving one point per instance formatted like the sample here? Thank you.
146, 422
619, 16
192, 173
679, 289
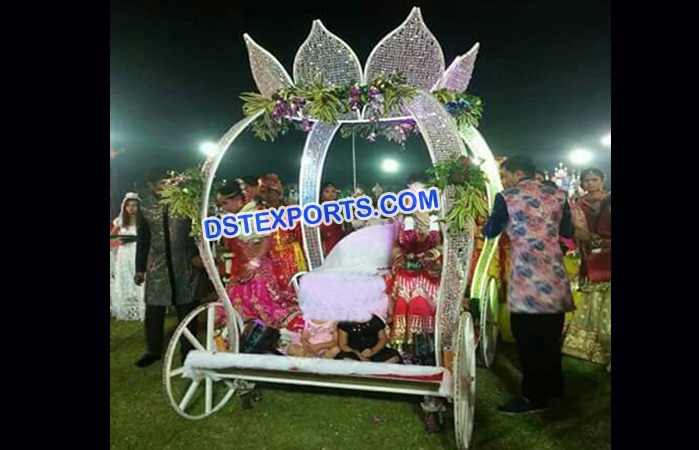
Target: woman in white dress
127, 301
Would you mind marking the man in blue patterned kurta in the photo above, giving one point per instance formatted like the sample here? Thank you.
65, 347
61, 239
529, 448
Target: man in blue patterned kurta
534, 216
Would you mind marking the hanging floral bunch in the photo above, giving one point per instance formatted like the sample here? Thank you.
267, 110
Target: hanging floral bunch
469, 181
182, 192
394, 131
466, 109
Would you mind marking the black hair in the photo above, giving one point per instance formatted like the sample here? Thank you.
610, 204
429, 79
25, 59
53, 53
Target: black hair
591, 171
250, 181
522, 163
323, 187
540, 172
156, 174
230, 189
550, 184
416, 177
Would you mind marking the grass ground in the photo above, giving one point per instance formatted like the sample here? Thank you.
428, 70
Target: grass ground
311, 418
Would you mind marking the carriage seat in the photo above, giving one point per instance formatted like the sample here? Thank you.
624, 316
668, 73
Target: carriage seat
349, 285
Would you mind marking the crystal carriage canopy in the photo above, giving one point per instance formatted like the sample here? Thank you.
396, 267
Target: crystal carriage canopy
411, 50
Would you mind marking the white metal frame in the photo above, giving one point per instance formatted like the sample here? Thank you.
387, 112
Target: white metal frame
490, 325
423, 110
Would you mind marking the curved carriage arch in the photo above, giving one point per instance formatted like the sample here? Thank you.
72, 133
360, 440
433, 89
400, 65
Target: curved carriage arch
444, 140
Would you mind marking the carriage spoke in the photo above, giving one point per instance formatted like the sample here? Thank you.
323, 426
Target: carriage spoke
210, 316
177, 372
192, 339
208, 394
189, 394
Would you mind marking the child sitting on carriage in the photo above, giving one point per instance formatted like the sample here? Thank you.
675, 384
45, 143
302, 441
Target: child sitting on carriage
349, 288
318, 340
366, 341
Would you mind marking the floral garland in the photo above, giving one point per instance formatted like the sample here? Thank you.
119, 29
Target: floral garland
182, 192
381, 98
469, 181
395, 131
465, 108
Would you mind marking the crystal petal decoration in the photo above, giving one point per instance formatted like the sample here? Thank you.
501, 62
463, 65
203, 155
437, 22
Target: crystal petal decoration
444, 142
312, 162
323, 53
458, 74
268, 73
437, 127
410, 49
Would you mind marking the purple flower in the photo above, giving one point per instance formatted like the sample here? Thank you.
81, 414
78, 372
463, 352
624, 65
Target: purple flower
399, 138
305, 125
374, 91
355, 91
280, 109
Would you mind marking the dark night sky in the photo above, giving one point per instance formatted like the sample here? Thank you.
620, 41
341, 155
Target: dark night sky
543, 70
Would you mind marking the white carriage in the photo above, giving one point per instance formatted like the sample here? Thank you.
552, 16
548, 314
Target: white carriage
213, 374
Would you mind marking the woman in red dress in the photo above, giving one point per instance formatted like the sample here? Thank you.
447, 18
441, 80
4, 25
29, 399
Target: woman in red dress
330, 234
417, 270
589, 336
286, 251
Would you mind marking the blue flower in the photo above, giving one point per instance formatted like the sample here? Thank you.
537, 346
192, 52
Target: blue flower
534, 203
520, 216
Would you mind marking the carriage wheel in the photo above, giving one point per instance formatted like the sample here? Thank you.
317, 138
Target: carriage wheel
199, 398
489, 326
464, 381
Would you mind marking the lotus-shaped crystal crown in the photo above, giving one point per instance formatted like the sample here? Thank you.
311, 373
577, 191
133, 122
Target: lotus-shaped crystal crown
411, 50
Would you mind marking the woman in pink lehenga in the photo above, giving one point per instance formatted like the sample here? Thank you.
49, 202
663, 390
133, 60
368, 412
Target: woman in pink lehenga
254, 288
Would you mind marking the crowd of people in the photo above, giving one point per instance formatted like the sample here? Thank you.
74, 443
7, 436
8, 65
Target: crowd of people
540, 222
262, 268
